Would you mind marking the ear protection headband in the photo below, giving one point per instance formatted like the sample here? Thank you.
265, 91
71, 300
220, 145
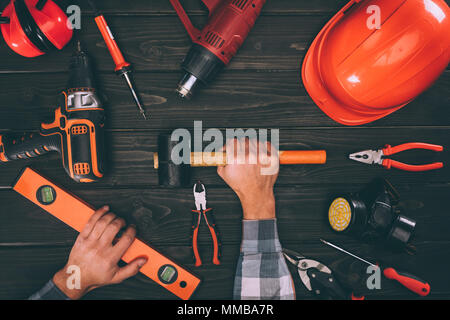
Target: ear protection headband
34, 27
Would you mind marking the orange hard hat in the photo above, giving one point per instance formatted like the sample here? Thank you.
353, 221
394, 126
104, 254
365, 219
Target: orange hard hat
375, 56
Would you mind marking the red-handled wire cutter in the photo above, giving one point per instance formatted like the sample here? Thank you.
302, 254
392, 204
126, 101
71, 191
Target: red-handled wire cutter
202, 210
377, 157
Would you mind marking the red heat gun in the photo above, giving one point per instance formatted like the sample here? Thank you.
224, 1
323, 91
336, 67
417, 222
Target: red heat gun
230, 22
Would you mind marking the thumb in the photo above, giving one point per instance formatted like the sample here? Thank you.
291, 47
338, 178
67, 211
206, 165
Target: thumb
129, 270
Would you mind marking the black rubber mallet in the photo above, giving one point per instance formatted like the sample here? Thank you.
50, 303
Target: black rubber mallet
178, 175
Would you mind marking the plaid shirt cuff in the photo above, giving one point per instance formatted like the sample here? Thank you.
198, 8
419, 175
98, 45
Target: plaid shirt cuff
259, 236
49, 292
262, 272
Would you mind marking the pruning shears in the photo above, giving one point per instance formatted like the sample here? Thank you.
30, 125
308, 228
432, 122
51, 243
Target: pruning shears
317, 277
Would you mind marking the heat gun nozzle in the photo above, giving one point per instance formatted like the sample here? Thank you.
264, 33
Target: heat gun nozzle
187, 86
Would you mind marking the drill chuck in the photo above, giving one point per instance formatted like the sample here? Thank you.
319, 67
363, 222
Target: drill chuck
81, 85
80, 70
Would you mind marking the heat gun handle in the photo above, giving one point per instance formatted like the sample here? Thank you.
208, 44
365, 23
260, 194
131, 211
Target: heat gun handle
41, 4
27, 146
193, 32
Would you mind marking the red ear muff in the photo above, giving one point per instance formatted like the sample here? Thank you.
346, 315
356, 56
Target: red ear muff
15, 36
52, 21
35, 27
31, 29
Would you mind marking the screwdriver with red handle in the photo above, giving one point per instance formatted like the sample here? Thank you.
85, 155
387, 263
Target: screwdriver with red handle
123, 68
409, 281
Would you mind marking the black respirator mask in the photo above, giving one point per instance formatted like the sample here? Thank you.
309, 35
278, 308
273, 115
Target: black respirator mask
373, 215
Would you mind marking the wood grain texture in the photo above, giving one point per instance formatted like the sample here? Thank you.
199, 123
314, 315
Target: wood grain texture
131, 158
161, 43
163, 217
39, 244
235, 100
34, 266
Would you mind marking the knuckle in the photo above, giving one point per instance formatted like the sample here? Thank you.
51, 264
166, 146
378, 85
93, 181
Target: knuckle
110, 216
83, 237
128, 237
117, 224
112, 264
102, 223
136, 269
132, 231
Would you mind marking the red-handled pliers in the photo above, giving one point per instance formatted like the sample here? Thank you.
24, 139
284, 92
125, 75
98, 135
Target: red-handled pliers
377, 157
202, 210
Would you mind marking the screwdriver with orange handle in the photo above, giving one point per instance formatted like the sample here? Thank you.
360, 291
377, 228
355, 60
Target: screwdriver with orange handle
409, 281
123, 68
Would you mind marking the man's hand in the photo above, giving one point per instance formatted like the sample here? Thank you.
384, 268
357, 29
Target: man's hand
96, 254
253, 186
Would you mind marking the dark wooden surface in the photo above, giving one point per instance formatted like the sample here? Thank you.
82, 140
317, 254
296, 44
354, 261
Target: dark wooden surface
260, 89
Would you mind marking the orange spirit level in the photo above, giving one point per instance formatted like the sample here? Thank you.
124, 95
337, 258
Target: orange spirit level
76, 213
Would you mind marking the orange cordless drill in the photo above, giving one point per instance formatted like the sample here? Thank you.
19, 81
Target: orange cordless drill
77, 132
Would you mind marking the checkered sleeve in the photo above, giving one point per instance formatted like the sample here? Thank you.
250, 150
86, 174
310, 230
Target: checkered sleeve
49, 292
262, 272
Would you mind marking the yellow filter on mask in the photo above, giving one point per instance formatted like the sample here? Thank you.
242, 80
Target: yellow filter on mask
339, 214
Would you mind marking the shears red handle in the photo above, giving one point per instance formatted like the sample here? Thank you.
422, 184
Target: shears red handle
389, 163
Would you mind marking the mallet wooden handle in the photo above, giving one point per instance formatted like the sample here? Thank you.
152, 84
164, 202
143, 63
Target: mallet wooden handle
217, 159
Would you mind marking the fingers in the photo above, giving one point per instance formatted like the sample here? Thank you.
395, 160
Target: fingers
267, 154
112, 230
124, 242
101, 225
129, 270
220, 171
93, 220
227, 148
244, 151
236, 151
